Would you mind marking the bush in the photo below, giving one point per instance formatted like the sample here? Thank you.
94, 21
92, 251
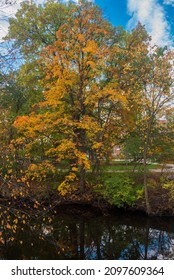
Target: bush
169, 186
121, 189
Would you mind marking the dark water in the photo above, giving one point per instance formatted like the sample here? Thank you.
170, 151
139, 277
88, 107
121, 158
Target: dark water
85, 235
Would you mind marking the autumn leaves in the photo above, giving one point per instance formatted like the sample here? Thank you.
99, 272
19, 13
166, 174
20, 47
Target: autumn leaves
97, 85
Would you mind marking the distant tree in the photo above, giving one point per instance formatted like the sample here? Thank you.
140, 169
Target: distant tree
156, 98
34, 26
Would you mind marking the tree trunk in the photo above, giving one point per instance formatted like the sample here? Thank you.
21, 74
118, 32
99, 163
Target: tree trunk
82, 178
148, 207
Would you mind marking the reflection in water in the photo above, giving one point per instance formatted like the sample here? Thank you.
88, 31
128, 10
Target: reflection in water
72, 236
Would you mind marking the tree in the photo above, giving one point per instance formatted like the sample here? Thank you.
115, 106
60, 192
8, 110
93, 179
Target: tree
128, 63
83, 87
34, 26
81, 105
156, 99
148, 77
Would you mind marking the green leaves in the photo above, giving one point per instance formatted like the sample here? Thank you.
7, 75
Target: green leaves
34, 27
121, 189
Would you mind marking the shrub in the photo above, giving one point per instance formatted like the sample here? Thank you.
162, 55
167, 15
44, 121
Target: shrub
121, 189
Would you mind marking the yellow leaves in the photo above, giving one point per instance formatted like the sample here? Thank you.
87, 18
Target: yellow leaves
66, 146
15, 221
14, 228
6, 176
20, 122
29, 126
36, 205
8, 226
71, 177
89, 125
81, 38
113, 93
97, 146
2, 241
122, 99
20, 140
91, 47
32, 167
82, 159
75, 169
39, 171
23, 179
67, 186
92, 64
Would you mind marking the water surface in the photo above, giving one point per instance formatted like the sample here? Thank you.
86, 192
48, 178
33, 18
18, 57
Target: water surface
84, 234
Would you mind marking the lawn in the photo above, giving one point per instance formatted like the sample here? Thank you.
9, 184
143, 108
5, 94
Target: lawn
127, 166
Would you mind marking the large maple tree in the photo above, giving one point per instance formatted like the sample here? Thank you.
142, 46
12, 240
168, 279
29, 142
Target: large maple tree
82, 99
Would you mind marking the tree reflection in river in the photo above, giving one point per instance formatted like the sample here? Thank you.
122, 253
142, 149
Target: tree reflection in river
87, 237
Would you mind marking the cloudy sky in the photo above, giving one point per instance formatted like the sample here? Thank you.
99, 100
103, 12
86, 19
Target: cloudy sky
156, 15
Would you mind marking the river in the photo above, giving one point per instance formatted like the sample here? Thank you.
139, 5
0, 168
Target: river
83, 234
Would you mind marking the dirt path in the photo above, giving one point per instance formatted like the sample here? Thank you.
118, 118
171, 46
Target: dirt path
167, 168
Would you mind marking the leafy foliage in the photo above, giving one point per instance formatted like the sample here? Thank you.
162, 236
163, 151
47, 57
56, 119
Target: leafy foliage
121, 190
82, 87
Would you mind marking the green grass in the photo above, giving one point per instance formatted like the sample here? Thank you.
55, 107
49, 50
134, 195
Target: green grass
121, 166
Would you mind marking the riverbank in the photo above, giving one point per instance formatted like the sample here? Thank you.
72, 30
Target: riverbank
115, 192
161, 204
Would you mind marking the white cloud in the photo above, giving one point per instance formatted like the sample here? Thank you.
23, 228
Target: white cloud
76, 1
151, 14
7, 10
169, 2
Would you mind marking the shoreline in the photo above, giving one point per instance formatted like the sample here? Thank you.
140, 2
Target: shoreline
102, 208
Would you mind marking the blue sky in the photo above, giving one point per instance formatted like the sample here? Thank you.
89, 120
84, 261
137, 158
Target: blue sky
115, 11
156, 15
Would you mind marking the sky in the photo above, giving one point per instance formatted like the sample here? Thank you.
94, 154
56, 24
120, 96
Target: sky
156, 15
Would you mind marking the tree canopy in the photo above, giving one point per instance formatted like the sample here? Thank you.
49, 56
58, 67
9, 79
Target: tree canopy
82, 87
